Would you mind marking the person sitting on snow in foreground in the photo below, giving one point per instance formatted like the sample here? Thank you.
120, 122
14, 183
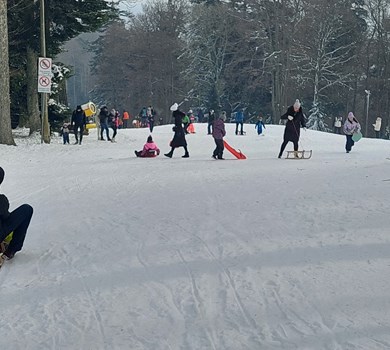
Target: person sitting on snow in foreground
16, 221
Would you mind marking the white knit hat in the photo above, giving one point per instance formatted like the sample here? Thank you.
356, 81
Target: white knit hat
297, 104
174, 107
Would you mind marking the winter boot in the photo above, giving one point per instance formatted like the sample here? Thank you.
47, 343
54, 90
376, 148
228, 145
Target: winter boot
186, 155
296, 154
3, 247
169, 155
8, 255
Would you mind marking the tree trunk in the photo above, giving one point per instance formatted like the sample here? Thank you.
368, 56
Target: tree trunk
33, 119
6, 137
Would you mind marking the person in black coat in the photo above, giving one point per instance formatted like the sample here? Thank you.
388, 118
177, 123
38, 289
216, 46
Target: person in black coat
179, 139
17, 222
295, 120
79, 121
103, 119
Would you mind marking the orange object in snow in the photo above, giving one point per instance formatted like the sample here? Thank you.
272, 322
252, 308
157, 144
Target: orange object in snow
191, 129
237, 153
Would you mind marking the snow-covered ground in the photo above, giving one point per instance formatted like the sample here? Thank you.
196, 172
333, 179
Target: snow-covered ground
193, 254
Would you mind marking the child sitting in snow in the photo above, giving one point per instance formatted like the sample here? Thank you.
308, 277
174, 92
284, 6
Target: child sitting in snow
150, 149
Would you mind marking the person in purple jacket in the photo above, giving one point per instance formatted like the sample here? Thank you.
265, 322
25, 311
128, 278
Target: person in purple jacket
218, 134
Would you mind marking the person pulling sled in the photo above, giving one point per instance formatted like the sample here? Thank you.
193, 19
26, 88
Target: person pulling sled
295, 120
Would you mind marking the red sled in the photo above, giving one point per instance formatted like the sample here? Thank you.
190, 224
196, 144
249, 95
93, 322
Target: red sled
237, 153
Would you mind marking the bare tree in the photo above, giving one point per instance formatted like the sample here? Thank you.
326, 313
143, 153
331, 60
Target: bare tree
326, 46
5, 120
377, 64
137, 64
208, 43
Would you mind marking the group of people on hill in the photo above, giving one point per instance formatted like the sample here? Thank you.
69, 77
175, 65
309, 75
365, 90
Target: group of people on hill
108, 120
294, 117
184, 124
77, 123
180, 129
14, 225
147, 117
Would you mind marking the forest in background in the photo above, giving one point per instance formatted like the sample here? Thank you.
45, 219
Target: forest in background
255, 55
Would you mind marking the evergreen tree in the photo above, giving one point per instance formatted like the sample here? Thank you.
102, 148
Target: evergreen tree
65, 19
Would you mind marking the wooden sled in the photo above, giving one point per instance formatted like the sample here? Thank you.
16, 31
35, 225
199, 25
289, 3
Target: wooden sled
299, 154
237, 153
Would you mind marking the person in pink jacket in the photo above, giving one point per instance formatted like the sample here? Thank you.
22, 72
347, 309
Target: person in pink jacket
150, 149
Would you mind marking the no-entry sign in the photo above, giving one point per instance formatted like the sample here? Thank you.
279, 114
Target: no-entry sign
44, 75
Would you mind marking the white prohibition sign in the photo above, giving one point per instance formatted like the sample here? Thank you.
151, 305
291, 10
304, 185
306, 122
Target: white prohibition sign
45, 64
44, 81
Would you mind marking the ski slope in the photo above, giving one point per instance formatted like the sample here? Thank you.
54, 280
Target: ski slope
199, 254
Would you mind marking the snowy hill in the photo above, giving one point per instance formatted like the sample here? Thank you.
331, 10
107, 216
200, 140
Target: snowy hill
193, 254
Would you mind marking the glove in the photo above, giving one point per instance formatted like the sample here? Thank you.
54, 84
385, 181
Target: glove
290, 117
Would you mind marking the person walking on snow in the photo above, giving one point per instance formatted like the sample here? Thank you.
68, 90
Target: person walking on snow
179, 138
218, 134
16, 221
377, 127
103, 119
150, 149
78, 122
191, 127
210, 121
337, 125
239, 118
125, 118
295, 120
351, 126
186, 123
65, 133
151, 115
114, 122
259, 125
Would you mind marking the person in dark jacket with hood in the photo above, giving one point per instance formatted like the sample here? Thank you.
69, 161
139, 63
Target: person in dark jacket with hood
239, 119
17, 222
79, 120
218, 134
103, 119
179, 139
295, 120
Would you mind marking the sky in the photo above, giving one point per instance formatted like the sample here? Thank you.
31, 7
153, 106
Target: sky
197, 253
